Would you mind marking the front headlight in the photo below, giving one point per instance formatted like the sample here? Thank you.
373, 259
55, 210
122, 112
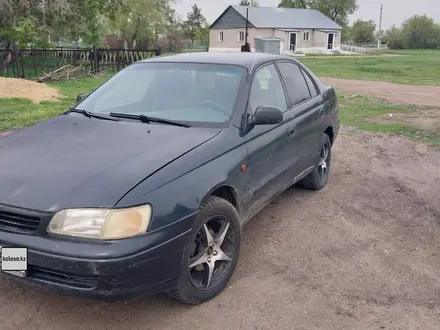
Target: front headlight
101, 223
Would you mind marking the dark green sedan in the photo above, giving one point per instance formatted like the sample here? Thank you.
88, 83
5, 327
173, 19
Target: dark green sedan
144, 185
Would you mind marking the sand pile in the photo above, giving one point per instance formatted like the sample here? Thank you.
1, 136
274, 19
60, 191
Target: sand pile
36, 92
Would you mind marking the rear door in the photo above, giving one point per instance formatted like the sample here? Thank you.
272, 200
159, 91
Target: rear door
305, 106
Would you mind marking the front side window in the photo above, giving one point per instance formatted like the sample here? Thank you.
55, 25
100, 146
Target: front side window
267, 90
178, 91
296, 86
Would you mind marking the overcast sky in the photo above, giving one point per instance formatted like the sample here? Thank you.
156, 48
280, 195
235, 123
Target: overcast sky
394, 11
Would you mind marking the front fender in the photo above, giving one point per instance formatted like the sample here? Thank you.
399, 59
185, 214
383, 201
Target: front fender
182, 196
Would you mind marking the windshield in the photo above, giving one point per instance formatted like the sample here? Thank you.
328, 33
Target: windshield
184, 92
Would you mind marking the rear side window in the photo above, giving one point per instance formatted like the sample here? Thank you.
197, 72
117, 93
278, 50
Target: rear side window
310, 83
297, 89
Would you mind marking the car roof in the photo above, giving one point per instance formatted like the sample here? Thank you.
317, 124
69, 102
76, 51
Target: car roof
246, 59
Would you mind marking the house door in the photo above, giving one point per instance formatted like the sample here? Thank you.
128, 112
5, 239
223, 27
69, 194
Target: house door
331, 37
292, 45
282, 46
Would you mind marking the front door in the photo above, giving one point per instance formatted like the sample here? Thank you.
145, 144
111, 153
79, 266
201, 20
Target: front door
292, 41
267, 145
282, 46
331, 37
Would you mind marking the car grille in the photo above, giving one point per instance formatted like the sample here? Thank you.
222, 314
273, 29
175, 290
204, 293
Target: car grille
27, 224
23, 221
51, 276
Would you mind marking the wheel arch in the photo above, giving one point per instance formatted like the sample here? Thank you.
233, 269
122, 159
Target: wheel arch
330, 133
227, 192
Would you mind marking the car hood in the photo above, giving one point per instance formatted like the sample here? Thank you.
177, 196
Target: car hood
74, 161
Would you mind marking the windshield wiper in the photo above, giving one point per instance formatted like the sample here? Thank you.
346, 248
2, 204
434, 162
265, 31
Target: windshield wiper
92, 114
147, 119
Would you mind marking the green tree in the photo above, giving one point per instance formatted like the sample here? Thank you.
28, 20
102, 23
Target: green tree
173, 28
202, 34
363, 31
68, 18
421, 32
26, 31
294, 3
347, 34
337, 10
18, 17
194, 22
23, 21
249, 3
141, 20
394, 38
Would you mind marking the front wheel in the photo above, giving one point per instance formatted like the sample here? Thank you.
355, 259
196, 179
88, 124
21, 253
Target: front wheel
211, 254
318, 177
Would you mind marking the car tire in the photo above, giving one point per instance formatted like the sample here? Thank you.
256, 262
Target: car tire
193, 287
317, 179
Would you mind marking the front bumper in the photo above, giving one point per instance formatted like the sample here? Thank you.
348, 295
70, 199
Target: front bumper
109, 270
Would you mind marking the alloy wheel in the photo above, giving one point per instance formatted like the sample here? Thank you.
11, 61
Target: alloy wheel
324, 162
212, 253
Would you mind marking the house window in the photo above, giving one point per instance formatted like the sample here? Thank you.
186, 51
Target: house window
306, 36
220, 36
240, 36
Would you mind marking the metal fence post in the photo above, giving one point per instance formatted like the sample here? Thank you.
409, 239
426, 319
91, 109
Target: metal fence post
95, 60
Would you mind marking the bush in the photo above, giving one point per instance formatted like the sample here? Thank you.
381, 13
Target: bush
417, 32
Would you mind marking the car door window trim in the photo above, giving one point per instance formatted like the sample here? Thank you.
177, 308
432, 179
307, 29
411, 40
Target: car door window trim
317, 92
302, 108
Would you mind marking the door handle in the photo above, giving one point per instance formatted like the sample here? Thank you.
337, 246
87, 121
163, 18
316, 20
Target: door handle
291, 131
321, 112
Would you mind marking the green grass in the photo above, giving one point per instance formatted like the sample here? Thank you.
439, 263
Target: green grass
366, 113
415, 67
17, 113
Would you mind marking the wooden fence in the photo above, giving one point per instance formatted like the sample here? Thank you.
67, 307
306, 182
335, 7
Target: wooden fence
30, 63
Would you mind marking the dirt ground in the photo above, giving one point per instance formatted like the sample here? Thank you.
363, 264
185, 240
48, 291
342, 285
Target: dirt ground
363, 253
36, 92
395, 93
426, 119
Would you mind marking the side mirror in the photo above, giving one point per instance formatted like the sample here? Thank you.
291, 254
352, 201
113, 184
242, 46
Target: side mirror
267, 116
80, 97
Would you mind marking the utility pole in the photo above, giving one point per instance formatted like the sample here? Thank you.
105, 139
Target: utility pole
379, 39
245, 47
246, 30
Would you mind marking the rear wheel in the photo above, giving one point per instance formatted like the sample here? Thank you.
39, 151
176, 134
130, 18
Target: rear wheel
211, 254
318, 177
